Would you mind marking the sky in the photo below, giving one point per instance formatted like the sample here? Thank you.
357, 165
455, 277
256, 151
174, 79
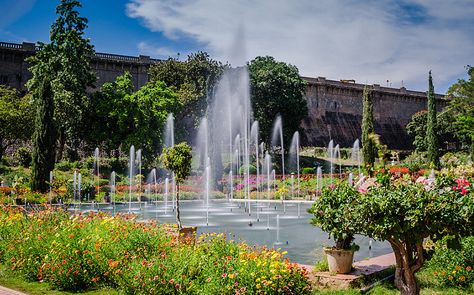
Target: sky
386, 42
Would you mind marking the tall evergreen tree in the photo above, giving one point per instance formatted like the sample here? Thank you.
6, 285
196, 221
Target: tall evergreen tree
44, 137
431, 128
368, 145
66, 60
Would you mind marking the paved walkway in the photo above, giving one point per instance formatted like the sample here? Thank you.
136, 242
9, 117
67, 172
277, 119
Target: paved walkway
361, 269
6, 291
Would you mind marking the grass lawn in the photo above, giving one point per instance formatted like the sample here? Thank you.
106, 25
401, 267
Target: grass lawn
13, 281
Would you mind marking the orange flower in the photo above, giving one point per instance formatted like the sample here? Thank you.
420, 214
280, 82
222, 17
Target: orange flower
468, 268
462, 278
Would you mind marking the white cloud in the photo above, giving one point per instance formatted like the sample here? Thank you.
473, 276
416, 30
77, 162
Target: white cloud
370, 41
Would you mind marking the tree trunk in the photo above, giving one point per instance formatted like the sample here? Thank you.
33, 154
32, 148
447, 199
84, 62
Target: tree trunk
178, 217
409, 260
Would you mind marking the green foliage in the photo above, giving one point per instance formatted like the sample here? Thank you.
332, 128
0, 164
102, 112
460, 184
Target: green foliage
432, 140
252, 169
122, 117
334, 213
16, 118
454, 267
369, 152
66, 166
44, 138
83, 252
308, 170
276, 88
23, 156
178, 159
66, 61
193, 80
461, 108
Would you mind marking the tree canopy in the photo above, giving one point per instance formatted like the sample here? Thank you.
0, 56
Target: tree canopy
123, 118
16, 118
66, 61
276, 88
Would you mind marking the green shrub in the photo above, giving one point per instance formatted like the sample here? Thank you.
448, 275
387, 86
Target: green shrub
66, 166
308, 170
23, 157
252, 169
416, 161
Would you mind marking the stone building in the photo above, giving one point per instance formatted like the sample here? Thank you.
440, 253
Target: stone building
335, 107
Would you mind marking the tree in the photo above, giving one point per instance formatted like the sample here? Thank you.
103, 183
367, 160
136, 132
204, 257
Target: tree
123, 118
44, 137
178, 159
193, 80
66, 61
432, 127
276, 88
461, 108
368, 147
16, 118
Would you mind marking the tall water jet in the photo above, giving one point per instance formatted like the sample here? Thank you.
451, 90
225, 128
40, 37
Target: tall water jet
295, 157
355, 155
208, 183
74, 184
130, 177
112, 190
350, 179
97, 169
139, 166
268, 172
330, 157
167, 182
254, 137
169, 131
277, 135
337, 155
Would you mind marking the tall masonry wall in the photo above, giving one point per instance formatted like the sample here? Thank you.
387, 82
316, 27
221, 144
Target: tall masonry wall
335, 107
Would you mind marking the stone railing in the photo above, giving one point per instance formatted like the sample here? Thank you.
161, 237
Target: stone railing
11, 45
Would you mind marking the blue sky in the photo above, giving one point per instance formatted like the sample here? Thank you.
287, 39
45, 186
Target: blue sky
371, 41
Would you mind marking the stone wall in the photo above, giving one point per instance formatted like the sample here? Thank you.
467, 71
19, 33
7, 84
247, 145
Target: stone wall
335, 112
335, 107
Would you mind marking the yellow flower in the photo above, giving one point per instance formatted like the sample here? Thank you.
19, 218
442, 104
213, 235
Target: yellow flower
259, 286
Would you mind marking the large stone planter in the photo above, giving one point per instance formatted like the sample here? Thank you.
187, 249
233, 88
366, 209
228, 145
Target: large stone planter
339, 261
187, 235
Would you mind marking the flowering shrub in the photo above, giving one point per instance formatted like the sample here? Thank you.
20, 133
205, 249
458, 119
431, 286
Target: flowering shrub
80, 252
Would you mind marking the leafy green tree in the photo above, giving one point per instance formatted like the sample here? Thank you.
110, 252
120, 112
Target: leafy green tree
66, 60
193, 80
461, 108
276, 88
432, 127
123, 118
369, 152
417, 129
44, 137
178, 159
16, 118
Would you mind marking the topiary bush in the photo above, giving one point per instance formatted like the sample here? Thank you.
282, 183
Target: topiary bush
308, 170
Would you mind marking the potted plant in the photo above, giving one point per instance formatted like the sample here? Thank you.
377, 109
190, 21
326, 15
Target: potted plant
334, 212
178, 159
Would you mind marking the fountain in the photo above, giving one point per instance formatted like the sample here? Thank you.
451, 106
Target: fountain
112, 190
355, 155
79, 186
208, 182
319, 179
139, 166
277, 134
268, 172
295, 157
169, 131
74, 184
350, 179
330, 157
167, 183
254, 136
130, 176
96, 169
337, 155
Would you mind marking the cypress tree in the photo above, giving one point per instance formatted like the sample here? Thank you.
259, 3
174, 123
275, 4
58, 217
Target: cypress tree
368, 146
431, 136
44, 137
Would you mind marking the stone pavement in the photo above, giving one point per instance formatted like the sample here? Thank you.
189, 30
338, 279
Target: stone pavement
362, 272
6, 291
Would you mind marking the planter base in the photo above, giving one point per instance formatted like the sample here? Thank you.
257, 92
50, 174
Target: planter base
339, 261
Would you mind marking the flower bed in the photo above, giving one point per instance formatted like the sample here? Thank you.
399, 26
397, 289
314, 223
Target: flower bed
81, 252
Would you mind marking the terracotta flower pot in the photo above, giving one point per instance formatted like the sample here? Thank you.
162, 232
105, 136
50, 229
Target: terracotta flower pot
339, 261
